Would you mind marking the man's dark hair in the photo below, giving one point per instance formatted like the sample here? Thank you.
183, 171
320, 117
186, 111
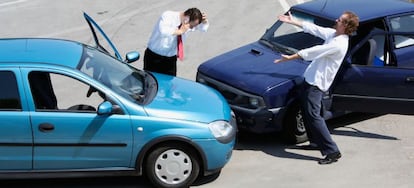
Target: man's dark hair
194, 14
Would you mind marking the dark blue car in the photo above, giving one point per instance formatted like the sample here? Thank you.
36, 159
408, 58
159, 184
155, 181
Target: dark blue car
377, 74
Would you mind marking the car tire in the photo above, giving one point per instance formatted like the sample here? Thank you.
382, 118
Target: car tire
294, 131
172, 166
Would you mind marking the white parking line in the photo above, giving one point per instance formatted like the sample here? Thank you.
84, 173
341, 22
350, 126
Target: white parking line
11, 3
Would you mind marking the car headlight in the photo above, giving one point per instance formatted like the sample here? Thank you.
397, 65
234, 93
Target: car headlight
223, 131
254, 102
201, 80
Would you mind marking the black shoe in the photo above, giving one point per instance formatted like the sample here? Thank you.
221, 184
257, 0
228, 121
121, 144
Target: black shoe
330, 158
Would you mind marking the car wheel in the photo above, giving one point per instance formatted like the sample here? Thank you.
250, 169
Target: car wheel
172, 166
294, 130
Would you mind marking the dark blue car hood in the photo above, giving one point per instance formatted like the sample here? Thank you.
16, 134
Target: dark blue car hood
252, 71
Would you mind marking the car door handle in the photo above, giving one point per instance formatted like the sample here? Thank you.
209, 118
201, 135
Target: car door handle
46, 127
409, 79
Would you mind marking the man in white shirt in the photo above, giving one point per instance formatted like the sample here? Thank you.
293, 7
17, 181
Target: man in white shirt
172, 27
319, 75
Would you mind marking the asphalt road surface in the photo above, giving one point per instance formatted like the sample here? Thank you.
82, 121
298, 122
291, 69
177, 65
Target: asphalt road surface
378, 150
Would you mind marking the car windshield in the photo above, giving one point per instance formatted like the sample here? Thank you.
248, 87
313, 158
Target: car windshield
122, 78
288, 39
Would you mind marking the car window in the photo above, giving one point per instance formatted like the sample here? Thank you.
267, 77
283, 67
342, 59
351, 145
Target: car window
402, 41
370, 45
372, 52
56, 92
9, 95
403, 24
403, 50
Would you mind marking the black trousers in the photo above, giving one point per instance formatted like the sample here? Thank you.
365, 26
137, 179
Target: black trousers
160, 64
315, 124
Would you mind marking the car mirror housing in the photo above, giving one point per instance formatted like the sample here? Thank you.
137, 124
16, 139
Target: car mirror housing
105, 108
131, 57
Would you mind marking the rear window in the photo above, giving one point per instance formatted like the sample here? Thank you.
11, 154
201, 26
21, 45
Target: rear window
9, 93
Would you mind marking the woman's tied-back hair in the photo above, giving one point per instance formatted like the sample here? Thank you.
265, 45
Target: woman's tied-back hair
351, 22
194, 14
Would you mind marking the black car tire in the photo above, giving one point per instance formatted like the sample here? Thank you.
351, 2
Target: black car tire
294, 131
172, 166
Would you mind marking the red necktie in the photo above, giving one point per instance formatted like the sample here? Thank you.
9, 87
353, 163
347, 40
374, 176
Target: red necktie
180, 49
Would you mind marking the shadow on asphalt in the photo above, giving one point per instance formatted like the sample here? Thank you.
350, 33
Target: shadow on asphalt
272, 143
349, 119
101, 182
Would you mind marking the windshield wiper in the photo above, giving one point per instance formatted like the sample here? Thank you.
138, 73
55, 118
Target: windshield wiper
290, 50
266, 42
278, 47
271, 45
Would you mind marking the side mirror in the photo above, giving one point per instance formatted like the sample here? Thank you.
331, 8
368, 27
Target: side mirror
105, 108
131, 57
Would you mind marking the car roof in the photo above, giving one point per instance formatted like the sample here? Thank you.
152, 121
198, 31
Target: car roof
365, 9
32, 50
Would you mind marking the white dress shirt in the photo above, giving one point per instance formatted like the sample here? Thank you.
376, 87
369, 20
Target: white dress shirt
162, 40
326, 58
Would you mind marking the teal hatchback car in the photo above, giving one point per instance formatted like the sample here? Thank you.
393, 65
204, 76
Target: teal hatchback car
68, 109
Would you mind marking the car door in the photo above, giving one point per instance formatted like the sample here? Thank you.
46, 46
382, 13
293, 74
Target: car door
16, 142
102, 42
68, 133
385, 85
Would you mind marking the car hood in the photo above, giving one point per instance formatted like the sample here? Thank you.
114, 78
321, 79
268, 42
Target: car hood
252, 68
182, 99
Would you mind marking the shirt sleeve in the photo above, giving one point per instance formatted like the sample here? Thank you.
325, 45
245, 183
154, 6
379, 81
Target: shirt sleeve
321, 32
165, 24
319, 51
203, 26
